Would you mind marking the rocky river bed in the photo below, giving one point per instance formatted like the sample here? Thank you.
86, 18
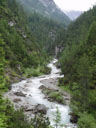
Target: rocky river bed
28, 94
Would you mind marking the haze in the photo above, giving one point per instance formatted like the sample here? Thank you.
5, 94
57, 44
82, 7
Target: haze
81, 5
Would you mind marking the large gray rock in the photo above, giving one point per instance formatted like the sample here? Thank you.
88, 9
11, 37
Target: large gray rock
40, 108
20, 94
28, 109
74, 118
42, 87
16, 100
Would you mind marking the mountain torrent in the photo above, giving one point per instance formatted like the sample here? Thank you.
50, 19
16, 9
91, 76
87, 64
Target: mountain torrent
37, 91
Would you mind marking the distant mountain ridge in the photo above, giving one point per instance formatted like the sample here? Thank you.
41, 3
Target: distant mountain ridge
46, 8
73, 15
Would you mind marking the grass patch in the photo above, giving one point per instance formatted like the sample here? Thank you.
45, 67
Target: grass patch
55, 96
31, 72
65, 88
41, 70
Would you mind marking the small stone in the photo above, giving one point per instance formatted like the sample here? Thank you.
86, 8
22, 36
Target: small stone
16, 100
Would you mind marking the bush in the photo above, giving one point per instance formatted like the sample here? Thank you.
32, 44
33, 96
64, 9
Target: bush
57, 97
86, 121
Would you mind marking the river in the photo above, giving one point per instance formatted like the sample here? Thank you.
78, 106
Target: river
31, 88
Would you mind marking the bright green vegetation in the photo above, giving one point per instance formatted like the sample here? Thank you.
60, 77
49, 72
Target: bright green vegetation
25, 45
21, 54
57, 97
26, 41
28, 72
57, 119
78, 63
54, 96
10, 118
45, 32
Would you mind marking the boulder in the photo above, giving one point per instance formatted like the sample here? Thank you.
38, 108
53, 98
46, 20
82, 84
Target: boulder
42, 87
29, 81
16, 100
20, 94
26, 85
28, 109
74, 118
40, 108
58, 65
30, 95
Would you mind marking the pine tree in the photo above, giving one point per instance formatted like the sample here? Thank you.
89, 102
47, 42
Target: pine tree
2, 61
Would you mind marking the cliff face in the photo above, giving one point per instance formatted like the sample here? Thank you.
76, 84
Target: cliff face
46, 8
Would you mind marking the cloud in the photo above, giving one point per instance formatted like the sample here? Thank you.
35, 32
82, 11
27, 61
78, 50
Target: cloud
75, 4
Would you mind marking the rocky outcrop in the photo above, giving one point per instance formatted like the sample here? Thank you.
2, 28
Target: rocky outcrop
11, 23
40, 108
16, 100
42, 87
74, 118
20, 94
46, 8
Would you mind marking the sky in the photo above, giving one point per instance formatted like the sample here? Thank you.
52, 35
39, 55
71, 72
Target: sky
80, 5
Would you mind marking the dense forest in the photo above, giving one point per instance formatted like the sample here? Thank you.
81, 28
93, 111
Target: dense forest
26, 44
50, 29
78, 64
47, 8
22, 54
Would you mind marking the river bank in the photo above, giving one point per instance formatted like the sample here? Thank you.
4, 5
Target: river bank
27, 94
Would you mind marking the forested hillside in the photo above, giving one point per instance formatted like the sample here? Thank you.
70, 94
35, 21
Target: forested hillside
21, 49
45, 31
47, 8
78, 63
27, 40
22, 55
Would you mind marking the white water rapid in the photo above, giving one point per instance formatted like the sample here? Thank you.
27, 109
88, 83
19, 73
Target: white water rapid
34, 96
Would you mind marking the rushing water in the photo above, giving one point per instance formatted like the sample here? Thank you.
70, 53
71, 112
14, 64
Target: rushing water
34, 96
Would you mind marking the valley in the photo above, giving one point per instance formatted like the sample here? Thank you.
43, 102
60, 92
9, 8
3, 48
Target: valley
47, 66
32, 96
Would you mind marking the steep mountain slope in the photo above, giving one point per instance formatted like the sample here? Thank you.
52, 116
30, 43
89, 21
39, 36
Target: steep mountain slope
45, 31
78, 30
78, 63
73, 15
47, 8
20, 53
23, 48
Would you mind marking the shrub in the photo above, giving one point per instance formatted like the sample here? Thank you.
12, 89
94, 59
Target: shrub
86, 121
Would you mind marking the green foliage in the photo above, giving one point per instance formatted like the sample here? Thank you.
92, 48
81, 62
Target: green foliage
2, 64
47, 11
41, 70
57, 120
46, 37
40, 121
55, 96
18, 120
18, 50
32, 72
10, 118
78, 64
22, 46
86, 121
